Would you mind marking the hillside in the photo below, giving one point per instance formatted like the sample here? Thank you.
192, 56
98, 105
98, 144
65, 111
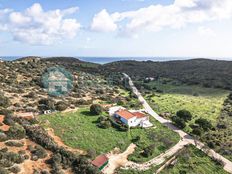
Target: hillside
209, 73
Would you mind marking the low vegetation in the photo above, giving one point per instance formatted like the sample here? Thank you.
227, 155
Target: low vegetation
220, 138
192, 160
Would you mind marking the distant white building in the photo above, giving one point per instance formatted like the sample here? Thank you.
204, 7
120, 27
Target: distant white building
131, 119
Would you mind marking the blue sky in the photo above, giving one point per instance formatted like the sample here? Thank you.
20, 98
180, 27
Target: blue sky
185, 28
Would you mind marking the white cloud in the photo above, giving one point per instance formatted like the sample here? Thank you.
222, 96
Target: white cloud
18, 19
158, 17
38, 27
103, 22
205, 31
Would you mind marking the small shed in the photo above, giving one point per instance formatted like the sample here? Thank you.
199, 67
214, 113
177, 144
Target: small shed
100, 161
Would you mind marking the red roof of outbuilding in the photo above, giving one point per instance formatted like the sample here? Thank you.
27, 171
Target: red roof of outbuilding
100, 161
125, 114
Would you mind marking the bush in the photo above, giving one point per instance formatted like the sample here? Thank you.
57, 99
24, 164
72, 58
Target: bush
211, 145
197, 131
61, 106
39, 152
5, 112
16, 132
15, 169
3, 137
136, 139
184, 114
104, 124
179, 122
91, 153
4, 171
46, 104
118, 126
4, 101
14, 143
148, 151
204, 124
96, 109
8, 120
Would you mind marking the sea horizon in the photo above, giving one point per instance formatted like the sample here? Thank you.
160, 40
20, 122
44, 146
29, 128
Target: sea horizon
105, 60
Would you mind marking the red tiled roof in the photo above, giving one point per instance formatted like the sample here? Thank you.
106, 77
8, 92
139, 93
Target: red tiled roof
125, 114
139, 114
100, 161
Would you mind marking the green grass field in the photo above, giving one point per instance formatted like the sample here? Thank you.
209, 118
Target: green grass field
194, 161
200, 101
79, 130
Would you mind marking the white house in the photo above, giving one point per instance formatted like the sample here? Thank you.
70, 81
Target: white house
133, 119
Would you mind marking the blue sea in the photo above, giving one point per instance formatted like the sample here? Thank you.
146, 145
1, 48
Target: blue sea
104, 60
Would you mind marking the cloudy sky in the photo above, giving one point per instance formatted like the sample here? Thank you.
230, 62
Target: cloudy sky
185, 28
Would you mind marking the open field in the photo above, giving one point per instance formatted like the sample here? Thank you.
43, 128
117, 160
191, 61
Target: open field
79, 130
194, 161
200, 101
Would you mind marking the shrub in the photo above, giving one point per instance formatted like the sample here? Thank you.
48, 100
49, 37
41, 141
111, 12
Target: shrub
4, 101
104, 124
211, 145
39, 152
31, 95
91, 153
61, 106
136, 139
15, 169
197, 131
101, 118
204, 124
8, 120
118, 126
3, 137
16, 132
5, 112
96, 109
14, 143
46, 104
184, 114
148, 151
4, 171
179, 122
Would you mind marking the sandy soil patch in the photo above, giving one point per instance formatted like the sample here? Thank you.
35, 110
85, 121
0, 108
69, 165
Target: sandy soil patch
117, 160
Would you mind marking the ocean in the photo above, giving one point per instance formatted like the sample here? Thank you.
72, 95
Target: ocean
104, 60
